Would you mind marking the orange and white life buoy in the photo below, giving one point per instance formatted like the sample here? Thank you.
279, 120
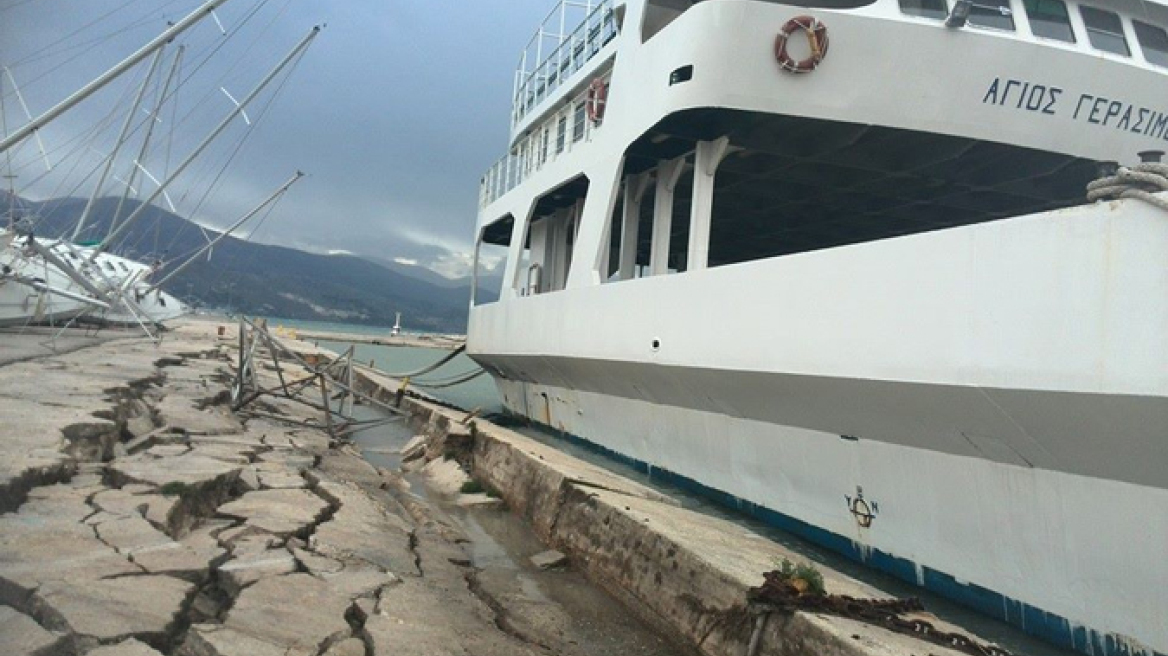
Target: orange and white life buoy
816, 33
595, 100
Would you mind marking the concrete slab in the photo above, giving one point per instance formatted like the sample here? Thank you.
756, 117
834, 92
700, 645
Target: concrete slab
36, 550
359, 579
315, 619
281, 480
130, 535
189, 469
180, 413
20, 635
219, 640
281, 512
191, 558
144, 607
350, 647
129, 647
238, 573
362, 529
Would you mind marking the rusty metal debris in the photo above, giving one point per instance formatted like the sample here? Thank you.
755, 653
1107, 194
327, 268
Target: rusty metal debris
779, 593
333, 380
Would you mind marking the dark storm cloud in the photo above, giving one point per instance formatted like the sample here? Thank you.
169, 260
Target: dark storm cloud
395, 113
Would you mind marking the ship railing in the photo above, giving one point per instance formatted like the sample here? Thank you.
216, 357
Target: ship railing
555, 137
554, 54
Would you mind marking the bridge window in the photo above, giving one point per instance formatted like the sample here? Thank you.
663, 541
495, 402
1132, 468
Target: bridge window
1049, 19
1105, 30
579, 115
1154, 41
995, 14
935, 9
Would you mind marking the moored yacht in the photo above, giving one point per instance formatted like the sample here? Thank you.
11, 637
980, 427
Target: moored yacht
834, 263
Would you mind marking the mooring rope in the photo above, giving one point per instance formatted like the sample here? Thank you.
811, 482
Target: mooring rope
450, 382
427, 369
1140, 182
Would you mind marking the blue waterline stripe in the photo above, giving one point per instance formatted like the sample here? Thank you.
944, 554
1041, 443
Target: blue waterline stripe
1049, 627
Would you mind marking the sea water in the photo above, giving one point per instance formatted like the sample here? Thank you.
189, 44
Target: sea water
479, 393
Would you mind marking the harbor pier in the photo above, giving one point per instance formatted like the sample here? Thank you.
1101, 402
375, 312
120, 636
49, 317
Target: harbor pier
140, 515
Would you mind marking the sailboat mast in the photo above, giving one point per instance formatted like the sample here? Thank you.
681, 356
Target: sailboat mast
118, 144
136, 214
162, 98
110, 75
225, 233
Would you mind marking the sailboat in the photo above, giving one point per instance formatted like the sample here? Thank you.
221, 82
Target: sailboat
113, 289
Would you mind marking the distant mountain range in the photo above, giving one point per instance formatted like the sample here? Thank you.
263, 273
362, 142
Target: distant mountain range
252, 278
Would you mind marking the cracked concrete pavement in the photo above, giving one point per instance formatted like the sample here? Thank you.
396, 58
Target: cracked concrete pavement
141, 516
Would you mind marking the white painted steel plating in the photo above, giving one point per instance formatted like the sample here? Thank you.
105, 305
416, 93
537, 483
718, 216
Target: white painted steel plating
1005, 380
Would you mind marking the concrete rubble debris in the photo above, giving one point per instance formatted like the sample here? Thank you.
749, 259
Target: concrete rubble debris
549, 559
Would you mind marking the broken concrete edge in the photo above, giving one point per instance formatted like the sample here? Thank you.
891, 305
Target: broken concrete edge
14, 492
707, 607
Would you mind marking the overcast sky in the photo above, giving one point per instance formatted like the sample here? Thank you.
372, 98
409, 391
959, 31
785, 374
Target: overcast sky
396, 110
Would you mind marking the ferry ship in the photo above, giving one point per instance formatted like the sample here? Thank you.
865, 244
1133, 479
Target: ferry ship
834, 263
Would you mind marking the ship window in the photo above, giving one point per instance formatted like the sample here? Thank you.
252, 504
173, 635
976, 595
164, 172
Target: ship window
579, 115
1105, 30
935, 9
490, 258
1049, 19
1154, 41
992, 13
561, 133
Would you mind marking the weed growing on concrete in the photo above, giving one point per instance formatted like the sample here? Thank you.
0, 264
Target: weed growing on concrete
804, 577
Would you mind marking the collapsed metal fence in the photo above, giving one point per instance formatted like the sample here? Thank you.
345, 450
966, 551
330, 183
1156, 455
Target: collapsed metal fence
328, 388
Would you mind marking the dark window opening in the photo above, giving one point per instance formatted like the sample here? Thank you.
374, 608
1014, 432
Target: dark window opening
1105, 30
490, 260
682, 74
797, 184
1153, 41
935, 9
995, 14
551, 238
579, 116
1049, 19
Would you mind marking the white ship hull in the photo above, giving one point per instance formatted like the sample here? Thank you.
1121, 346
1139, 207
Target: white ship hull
24, 302
841, 300
1000, 390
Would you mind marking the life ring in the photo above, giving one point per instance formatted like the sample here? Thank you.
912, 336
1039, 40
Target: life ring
816, 33
595, 101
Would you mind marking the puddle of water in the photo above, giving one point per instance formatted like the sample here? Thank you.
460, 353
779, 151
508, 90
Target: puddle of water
561, 601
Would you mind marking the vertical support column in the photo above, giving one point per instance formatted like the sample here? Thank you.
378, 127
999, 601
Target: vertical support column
635, 186
668, 171
706, 160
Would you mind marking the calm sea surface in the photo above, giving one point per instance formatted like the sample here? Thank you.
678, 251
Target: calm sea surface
478, 393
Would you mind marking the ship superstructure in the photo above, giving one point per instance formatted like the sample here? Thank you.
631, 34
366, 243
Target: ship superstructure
835, 265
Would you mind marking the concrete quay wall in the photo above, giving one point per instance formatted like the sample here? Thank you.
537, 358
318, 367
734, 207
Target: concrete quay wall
685, 572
